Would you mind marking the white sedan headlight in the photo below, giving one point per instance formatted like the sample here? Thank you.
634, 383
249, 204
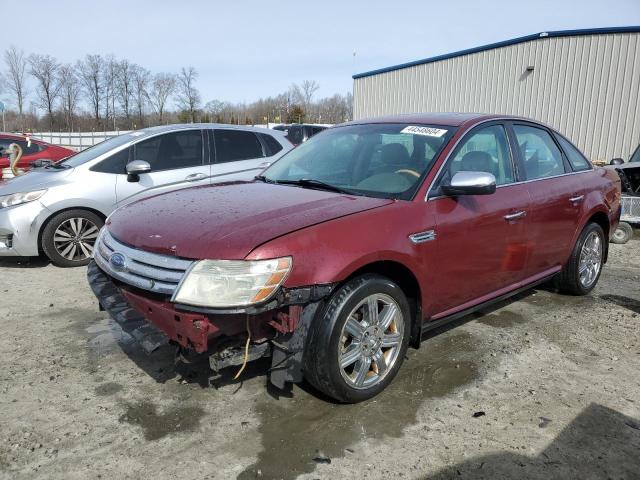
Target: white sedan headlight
232, 283
20, 198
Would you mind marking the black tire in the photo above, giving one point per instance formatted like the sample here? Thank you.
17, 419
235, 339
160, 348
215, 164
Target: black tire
568, 281
321, 365
54, 252
623, 233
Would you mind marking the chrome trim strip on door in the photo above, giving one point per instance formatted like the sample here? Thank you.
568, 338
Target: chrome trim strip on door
422, 237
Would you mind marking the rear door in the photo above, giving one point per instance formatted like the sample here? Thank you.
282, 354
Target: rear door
177, 160
556, 195
481, 239
239, 154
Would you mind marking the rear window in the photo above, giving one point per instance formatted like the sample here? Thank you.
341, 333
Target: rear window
576, 159
272, 144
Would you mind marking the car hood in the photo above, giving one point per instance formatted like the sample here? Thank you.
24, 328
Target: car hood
227, 221
35, 179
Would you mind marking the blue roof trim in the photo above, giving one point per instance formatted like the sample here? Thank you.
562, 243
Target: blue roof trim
504, 43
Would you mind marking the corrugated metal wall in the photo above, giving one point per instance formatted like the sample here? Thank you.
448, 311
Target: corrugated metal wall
587, 87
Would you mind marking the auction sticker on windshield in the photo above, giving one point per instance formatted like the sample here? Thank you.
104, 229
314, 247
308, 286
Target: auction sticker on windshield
427, 131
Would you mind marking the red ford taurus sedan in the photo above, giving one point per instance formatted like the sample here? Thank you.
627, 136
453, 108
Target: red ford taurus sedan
345, 251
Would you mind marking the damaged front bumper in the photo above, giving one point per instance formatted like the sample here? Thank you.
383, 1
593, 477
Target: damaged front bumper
277, 328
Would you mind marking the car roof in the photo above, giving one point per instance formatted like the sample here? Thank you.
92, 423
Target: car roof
186, 126
451, 119
14, 136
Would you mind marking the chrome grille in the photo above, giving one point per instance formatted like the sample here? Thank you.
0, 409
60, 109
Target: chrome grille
148, 271
630, 209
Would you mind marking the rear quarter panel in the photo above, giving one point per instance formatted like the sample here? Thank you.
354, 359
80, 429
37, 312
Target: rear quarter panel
602, 195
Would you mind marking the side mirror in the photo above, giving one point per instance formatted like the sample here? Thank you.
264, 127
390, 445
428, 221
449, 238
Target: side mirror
137, 168
470, 183
616, 161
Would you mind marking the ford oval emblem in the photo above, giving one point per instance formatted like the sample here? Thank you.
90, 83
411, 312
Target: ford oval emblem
118, 261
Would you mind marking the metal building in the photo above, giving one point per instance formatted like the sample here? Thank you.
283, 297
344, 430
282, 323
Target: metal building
584, 83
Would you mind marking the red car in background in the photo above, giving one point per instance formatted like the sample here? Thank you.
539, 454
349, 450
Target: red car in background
32, 150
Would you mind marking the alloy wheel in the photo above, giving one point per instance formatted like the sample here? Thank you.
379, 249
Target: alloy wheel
590, 260
371, 341
74, 239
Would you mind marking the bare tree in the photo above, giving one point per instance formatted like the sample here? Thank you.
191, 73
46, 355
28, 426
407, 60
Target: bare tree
109, 77
16, 78
44, 69
162, 87
141, 79
188, 96
308, 89
69, 92
124, 85
90, 71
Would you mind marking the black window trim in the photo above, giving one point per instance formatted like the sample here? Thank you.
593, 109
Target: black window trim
202, 156
434, 189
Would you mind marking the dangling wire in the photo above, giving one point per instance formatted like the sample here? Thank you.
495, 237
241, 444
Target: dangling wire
246, 351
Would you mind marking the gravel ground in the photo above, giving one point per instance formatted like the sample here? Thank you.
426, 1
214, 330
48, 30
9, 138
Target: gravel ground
545, 386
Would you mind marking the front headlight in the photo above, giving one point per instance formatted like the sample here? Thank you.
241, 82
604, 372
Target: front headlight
232, 283
20, 198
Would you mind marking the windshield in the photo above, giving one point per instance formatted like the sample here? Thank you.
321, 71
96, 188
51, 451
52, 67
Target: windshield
636, 156
379, 160
95, 151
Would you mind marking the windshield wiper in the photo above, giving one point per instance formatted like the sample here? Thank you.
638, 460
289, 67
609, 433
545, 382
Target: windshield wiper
319, 184
58, 166
262, 178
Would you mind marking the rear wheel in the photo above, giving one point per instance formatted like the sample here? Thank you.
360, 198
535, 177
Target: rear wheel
69, 237
357, 346
623, 233
583, 269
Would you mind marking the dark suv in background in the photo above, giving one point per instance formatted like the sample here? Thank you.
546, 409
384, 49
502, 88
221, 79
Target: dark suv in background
299, 133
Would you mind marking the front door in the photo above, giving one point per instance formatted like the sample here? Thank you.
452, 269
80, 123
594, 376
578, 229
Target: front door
481, 239
177, 160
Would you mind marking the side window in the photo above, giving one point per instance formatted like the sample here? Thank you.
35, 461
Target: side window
272, 143
295, 134
486, 150
233, 145
576, 159
540, 154
171, 150
116, 163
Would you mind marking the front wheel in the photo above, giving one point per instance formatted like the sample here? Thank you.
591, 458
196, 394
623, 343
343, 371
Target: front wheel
69, 237
582, 271
356, 347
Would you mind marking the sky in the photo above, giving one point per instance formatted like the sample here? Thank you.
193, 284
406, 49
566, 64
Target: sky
244, 50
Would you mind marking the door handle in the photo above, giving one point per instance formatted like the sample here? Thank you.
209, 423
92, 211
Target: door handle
194, 177
577, 199
515, 216
264, 164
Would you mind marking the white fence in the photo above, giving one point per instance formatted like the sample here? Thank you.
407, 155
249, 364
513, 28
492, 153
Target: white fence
77, 140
